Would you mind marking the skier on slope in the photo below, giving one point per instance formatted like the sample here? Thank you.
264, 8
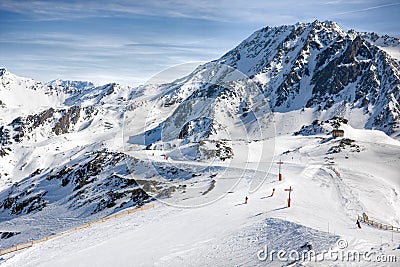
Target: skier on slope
245, 200
273, 192
358, 223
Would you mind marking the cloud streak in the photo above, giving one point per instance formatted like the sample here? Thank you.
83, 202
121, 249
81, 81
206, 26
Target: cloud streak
222, 11
367, 9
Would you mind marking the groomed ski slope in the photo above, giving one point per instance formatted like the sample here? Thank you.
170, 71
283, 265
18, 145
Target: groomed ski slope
229, 233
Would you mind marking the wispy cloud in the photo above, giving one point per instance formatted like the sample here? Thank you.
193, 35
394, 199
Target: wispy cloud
223, 10
367, 9
122, 59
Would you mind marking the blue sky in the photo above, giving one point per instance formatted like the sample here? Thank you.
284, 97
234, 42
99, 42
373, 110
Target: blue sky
129, 41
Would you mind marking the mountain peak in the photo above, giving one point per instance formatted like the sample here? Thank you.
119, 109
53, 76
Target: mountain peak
318, 65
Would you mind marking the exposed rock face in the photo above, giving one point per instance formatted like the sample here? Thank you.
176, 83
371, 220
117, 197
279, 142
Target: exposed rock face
69, 117
318, 65
322, 127
96, 184
51, 121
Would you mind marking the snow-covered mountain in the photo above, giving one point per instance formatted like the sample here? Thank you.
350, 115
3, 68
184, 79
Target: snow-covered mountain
315, 69
72, 152
318, 65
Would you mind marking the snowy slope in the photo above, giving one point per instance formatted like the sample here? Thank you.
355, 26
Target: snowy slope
229, 232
